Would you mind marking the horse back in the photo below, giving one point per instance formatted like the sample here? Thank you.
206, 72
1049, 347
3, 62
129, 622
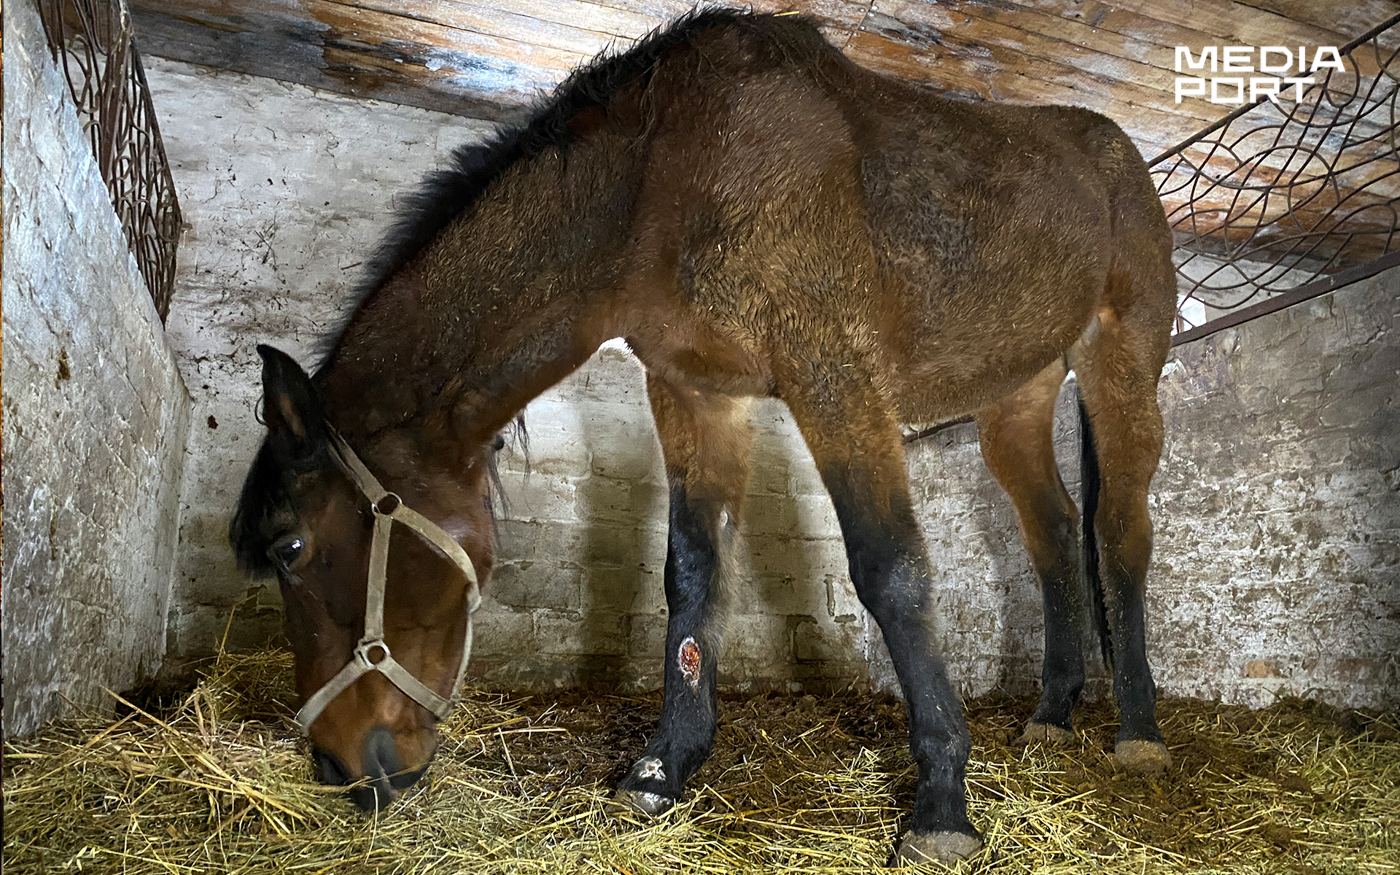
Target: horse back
792, 198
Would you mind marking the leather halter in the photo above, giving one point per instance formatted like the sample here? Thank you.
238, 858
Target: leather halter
389, 508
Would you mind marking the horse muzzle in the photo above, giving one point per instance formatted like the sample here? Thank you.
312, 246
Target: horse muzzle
384, 778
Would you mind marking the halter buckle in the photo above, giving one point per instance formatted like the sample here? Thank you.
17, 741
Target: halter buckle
362, 651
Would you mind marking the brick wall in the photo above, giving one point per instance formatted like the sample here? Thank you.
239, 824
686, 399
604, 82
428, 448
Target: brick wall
95, 415
1277, 563
578, 595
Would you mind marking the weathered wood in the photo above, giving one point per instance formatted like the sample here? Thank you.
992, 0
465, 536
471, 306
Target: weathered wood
460, 58
363, 53
1347, 20
491, 61
1034, 57
1158, 21
474, 56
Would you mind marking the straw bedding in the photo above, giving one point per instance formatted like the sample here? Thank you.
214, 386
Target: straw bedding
216, 780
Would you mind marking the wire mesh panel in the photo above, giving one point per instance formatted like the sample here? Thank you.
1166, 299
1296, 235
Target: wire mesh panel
91, 40
1282, 200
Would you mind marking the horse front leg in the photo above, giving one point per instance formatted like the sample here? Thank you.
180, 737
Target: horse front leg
855, 441
706, 441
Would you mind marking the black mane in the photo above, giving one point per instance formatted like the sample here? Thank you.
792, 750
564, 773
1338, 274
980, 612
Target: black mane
444, 194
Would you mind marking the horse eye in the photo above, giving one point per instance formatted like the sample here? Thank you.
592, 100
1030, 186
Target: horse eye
286, 551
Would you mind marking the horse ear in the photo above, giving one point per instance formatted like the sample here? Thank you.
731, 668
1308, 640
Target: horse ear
291, 404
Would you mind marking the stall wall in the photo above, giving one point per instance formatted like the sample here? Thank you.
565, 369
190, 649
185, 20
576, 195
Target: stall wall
1277, 568
95, 416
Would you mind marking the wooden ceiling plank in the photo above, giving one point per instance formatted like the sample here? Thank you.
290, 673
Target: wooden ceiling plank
1073, 31
330, 19
376, 28
1131, 44
456, 70
577, 37
611, 19
1233, 23
1018, 75
1348, 20
1193, 23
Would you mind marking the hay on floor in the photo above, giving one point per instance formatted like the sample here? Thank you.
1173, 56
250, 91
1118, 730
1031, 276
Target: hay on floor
219, 781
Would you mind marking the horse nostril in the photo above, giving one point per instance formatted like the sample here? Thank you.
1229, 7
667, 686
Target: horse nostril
329, 768
381, 756
404, 780
384, 776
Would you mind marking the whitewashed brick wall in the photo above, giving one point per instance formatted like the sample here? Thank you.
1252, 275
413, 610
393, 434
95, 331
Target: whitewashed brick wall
95, 415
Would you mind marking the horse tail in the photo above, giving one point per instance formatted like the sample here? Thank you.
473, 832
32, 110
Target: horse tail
1089, 484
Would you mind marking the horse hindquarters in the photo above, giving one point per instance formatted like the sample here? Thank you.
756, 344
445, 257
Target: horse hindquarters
706, 441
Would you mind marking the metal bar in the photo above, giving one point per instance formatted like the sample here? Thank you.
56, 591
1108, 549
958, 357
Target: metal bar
1290, 298
935, 429
91, 41
1278, 197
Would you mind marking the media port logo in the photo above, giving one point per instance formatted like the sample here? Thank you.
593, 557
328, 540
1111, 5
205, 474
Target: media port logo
1282, 66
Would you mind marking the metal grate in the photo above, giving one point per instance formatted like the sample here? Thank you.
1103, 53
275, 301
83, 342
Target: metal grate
1276, 203
91, 40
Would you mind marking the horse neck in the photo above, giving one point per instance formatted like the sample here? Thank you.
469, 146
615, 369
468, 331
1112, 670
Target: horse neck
508, 300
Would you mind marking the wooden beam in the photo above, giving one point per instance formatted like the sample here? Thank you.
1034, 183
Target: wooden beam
452, 57
1347, 20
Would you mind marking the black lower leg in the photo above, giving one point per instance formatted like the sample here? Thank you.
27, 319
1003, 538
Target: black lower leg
938, 736
1133, 686
892, 579
1062, 672
686, 732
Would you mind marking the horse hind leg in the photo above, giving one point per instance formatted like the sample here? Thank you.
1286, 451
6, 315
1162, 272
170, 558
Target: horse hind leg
1118, 365
706, 441
1017, 441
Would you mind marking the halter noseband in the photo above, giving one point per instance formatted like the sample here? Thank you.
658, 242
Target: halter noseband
389, 508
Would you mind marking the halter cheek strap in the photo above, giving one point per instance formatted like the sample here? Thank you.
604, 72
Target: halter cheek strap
372, 653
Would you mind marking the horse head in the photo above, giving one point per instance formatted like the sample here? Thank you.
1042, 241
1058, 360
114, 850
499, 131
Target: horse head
377, 614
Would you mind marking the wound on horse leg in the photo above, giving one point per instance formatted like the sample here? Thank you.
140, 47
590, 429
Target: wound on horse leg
688, 660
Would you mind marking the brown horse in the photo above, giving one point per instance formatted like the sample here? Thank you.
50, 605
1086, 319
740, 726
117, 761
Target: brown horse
756, 216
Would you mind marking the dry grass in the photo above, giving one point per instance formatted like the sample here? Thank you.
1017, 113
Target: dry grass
219, 782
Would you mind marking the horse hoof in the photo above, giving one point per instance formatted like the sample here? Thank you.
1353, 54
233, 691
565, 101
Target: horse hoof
936, 847
1137, 755
642, 802
1046, 733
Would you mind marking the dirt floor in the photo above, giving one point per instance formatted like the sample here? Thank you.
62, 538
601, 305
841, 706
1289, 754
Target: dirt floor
217, 780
